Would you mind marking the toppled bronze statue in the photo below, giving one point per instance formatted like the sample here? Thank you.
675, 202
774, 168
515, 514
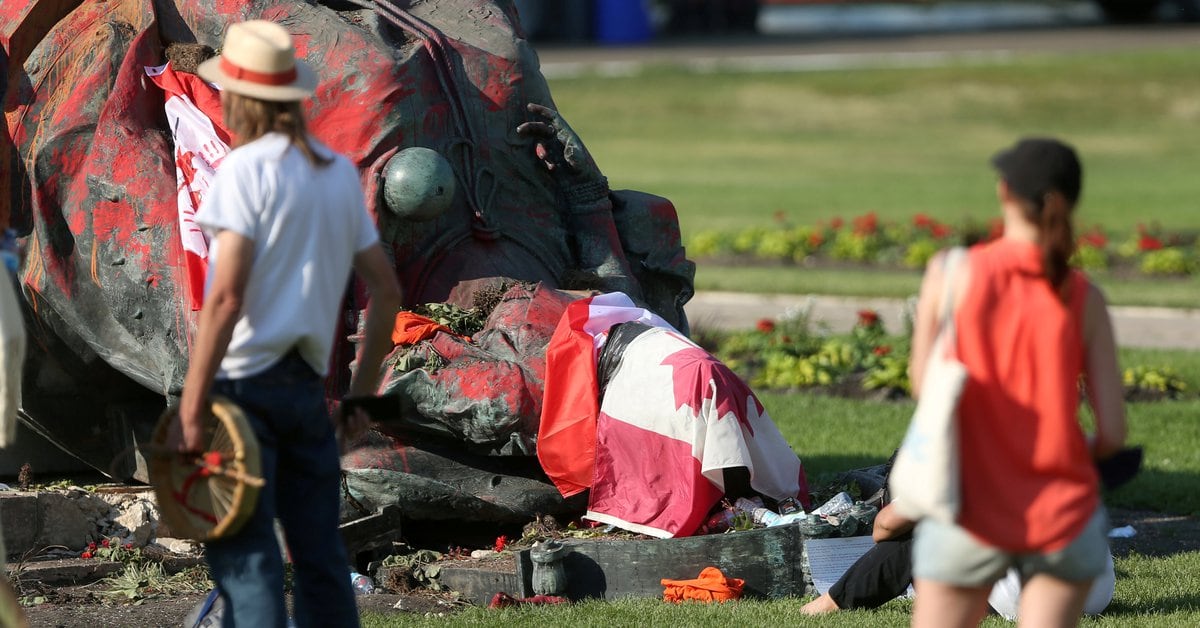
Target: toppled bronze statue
88, 178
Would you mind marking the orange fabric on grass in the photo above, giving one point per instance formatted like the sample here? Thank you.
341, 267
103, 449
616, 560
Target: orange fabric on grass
711, 586
1028, 481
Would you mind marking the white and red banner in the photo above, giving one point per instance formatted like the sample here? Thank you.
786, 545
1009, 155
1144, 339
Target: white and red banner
193, 110
673, 417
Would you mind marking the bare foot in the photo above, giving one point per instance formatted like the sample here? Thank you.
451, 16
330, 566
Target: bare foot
823, 604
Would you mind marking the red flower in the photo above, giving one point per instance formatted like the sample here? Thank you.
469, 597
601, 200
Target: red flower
866, 224
1149, 243
128, 546
104, 542
868, 318
882, 350
939, 231
86, 555
765, 325
836, 224
922, 221
91, 547
1095, 238
815, 240
501, 543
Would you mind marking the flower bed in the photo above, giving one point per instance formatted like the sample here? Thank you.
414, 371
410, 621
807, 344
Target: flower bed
787, 355
866, 239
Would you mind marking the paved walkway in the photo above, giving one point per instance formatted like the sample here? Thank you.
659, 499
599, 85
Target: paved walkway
763, 53
1149, 327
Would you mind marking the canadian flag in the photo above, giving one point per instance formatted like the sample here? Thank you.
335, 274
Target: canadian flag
673, 417
193, 110
571, 398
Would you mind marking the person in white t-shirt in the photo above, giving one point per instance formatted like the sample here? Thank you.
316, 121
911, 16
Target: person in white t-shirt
288, 222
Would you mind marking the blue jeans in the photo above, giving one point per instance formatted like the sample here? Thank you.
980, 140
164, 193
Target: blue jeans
286, 408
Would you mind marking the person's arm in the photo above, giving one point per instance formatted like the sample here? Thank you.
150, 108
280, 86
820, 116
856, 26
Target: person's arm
889, 525
372, 266
1102, 377
218, 316
925, 320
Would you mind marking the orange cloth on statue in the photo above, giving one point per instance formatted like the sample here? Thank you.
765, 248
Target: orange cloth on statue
711, 586
413, 328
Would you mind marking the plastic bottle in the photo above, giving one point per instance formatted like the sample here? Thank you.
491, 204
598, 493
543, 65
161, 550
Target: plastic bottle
363, 585
765, 516
748, 505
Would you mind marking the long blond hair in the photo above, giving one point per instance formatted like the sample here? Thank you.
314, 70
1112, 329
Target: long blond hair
250, 118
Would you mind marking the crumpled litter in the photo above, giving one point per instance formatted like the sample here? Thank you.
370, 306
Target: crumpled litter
1123, 532
711, 586
837, 505
504, 600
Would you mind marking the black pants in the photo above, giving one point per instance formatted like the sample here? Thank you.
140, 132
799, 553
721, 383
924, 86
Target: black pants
880, 575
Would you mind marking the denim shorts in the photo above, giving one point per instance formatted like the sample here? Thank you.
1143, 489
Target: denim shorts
947, 553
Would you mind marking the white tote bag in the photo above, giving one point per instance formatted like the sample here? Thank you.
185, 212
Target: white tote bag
924, 478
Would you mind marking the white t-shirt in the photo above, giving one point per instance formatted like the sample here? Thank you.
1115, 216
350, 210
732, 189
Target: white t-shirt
307, 223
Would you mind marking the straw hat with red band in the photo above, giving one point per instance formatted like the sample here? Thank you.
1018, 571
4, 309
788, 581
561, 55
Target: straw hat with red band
258, 61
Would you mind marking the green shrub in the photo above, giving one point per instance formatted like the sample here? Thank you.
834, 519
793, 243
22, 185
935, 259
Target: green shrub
1090, 258
776, 245
918, 253
1160, 379
855, 247
746, 241
1167, 261
709, 243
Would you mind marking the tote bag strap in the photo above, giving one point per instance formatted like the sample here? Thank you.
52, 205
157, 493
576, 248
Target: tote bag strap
954, 258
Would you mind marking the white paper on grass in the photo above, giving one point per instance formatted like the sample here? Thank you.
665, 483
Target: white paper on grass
828, 559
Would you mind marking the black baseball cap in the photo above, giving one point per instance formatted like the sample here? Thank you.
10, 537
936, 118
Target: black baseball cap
1035, 166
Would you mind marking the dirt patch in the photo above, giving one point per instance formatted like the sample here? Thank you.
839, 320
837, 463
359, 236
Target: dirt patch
82, 606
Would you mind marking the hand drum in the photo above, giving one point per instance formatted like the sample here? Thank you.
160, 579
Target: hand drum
212, 495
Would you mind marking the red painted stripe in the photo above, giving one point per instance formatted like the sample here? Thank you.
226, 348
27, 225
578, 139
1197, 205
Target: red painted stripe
262, 78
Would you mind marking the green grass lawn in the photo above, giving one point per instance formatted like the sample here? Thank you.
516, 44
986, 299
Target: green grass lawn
869, 282
731, 149
833, 435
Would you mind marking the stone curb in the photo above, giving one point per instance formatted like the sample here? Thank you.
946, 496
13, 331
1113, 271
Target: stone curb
73, 571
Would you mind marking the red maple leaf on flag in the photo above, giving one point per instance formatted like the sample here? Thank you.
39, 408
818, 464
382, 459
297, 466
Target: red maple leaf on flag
698, 376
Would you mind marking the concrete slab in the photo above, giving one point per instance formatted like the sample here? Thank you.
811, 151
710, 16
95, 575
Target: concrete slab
64, 571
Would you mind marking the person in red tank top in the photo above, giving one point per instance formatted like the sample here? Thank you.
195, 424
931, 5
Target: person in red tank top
1031, 331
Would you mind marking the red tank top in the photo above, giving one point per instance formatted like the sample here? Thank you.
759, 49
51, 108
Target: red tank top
1028, 481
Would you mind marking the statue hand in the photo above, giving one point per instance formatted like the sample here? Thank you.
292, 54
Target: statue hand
558, 147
